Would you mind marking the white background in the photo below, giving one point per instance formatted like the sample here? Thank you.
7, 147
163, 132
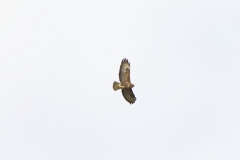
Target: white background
58, 60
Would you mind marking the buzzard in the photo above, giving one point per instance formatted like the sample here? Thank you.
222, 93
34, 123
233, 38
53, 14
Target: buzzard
125, 85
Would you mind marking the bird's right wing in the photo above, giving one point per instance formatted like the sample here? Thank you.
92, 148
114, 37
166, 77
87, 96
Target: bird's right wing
124, 71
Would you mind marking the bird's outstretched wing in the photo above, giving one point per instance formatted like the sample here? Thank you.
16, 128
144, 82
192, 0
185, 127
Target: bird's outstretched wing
124, 71
128, 95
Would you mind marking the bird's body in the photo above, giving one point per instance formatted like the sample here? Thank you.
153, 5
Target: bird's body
125, 83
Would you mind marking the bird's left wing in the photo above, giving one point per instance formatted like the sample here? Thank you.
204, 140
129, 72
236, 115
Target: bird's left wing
128, 95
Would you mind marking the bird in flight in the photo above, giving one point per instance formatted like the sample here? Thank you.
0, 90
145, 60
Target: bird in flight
125, 83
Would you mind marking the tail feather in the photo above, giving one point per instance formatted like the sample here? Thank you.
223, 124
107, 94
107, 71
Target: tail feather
116, 85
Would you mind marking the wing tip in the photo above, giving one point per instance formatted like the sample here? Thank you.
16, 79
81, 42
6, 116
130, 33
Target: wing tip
131, 103
125, 60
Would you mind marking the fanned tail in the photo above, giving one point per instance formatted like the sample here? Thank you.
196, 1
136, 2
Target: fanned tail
116, 85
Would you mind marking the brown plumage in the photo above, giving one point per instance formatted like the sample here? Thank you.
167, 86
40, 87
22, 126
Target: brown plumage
125, 83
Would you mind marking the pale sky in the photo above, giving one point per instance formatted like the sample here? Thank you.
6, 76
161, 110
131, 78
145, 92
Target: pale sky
58, 60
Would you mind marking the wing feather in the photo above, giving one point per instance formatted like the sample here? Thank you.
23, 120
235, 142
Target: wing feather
124, 71
129, 95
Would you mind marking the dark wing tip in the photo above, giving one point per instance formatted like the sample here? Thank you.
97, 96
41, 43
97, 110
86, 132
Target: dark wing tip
132, 102
125, 60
